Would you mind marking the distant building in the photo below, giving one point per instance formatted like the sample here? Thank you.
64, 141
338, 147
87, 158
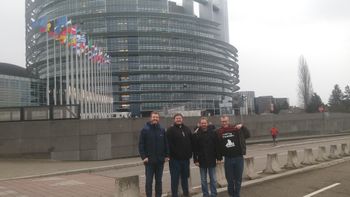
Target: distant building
18, 87
244, 102
282, 103
264, 104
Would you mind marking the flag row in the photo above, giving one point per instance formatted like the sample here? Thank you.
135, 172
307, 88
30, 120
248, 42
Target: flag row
61, 29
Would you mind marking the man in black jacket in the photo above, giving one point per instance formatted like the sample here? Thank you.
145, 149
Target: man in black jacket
180, 145
154, 151
205, 156
232, 145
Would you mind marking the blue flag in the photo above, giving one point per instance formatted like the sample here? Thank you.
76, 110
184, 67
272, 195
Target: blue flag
60, 23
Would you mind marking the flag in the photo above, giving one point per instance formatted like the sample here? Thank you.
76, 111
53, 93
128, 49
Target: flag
71, 36
60, 23
40, 23
50, 28
62, 37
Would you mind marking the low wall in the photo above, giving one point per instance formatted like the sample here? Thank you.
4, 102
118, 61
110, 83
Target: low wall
117, 138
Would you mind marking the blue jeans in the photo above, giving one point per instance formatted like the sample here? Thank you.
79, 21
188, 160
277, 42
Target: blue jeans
204, 183
233, 172
179, 168
156, 170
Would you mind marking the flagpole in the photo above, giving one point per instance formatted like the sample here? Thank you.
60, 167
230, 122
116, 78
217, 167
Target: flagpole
104, 90
85, 86
47, 70
76, 75
72, 76
100, 89
94, 88
61, 97
54, 73
96, 93
81, 82
89, 85
67, 71
111, 85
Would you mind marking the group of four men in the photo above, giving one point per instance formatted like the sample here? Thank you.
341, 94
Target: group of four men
207, 146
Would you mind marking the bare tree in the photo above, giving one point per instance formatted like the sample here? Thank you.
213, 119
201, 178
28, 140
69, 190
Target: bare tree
305, 90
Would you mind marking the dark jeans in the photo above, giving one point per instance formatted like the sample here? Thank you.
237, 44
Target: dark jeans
204, 182
156, 170
233, 172
179, 168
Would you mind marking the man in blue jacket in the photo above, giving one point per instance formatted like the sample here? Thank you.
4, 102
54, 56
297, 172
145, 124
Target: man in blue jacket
154, 151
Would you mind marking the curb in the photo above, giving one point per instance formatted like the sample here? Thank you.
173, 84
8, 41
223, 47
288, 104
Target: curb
83, 170
287, 173
296, 138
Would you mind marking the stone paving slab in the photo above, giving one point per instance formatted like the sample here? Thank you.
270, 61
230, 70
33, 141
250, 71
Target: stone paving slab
87, 185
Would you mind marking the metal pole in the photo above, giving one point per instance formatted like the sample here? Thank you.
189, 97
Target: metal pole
47, 70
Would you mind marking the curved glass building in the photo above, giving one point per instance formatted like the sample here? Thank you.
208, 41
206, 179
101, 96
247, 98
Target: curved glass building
163, 55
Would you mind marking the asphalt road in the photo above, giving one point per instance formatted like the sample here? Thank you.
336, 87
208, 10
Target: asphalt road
328, 182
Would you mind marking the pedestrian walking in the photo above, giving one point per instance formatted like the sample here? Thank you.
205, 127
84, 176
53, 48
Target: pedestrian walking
180, 146
205, 156
154, 151
232, 145
274, 133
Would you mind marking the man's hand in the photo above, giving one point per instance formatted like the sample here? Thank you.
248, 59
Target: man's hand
167, 159
239, 126
145, 160
196, 163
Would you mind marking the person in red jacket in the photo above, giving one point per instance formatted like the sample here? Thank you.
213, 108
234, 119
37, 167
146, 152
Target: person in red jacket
274, 133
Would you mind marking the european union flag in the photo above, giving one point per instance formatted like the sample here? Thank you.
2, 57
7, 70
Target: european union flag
60, 23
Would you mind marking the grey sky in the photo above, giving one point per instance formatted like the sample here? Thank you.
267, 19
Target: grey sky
270, 36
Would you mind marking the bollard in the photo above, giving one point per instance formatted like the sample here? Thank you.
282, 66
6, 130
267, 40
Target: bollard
292, 160
272, 164
127, 186
308, 157
322, 156
333, 152
344, 150
249, 169
220, 175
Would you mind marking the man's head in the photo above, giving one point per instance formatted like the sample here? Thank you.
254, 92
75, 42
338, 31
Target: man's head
178, 118
225, 121
154, 117
204, 123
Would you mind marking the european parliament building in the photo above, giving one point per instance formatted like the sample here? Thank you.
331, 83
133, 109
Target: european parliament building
163, 54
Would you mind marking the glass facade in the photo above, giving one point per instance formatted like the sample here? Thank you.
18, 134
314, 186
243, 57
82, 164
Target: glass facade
162, 55
19, 91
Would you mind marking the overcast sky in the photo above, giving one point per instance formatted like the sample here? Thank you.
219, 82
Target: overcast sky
270, 36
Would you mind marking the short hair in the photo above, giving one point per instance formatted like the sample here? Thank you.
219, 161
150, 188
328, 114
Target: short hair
155, 112
178, 114
204, 118
225, 116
